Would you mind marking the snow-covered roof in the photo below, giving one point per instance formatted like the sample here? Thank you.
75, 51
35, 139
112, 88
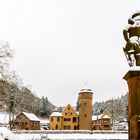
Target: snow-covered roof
86, 89
99, 116
95, 117
77, 112
55, 109
56, 114
106, 117
31, 116
134, 68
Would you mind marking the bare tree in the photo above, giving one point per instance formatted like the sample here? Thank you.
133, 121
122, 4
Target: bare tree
5, 56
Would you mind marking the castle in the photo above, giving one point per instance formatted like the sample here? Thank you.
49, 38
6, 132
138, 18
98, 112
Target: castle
69, 119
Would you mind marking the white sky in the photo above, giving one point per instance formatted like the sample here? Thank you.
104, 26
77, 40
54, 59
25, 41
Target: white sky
62, 44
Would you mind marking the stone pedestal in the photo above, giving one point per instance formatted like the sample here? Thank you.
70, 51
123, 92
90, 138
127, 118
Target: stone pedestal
133, 80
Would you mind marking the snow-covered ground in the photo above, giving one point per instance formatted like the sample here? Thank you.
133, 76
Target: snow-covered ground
5, 133
120, 126
75, 136
71, 135
88, 136
61, 135
4, 118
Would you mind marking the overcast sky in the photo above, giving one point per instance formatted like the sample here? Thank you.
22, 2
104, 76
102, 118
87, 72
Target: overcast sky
60, 45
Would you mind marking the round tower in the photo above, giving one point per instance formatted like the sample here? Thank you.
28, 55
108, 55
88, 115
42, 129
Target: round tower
85, 108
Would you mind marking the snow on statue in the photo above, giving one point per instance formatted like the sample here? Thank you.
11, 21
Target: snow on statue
132, 36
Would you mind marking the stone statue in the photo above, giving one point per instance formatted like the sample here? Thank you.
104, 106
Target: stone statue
132, 36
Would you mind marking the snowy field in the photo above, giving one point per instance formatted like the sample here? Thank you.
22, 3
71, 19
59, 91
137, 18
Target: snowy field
62, 135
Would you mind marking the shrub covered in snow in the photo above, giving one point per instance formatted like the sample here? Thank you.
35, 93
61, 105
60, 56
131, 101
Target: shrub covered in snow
7, 134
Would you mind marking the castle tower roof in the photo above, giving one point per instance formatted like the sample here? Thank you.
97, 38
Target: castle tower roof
86, 89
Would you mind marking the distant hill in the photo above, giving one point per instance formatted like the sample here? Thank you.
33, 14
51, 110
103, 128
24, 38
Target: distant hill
23, 99
116, 107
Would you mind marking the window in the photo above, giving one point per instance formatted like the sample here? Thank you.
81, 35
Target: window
106, 121
67, 127
67, 119
106, 125
32, 123
51, 119
58, 119
74, 119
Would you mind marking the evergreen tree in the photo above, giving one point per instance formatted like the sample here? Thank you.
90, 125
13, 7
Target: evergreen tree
45, 107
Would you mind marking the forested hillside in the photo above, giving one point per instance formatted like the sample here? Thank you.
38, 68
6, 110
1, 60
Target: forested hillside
23, 100
14, 96
116, 107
